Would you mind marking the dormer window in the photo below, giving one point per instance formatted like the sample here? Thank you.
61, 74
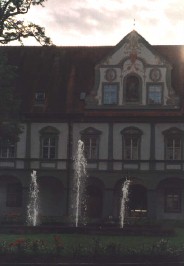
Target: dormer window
132, 89
154, 94
110, 93
40, 97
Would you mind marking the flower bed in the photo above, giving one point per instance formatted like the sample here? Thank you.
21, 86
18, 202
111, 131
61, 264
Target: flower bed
41, 250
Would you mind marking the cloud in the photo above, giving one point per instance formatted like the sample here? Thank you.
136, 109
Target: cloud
102, 21
87, 20
175, 11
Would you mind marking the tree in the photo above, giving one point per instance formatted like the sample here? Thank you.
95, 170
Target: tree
9, 102
12, 28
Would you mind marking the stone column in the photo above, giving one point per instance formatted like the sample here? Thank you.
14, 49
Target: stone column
108, 203
152, 147
152, 204
25, 201
110, 147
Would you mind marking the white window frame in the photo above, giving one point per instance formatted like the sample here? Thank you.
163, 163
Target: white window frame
155, 94
173, 152
132, 149
7, 150
110, 93
49, 147
133, 135
40, 98
91, 151
49, 133
87, 136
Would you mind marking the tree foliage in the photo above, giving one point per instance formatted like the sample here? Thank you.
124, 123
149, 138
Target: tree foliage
12, 28
9, 102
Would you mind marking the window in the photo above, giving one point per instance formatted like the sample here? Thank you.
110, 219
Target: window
90, 137
131, 143
110, 93
91, 147
49, 142
40, 97
173, 148
132, 89
173, 144
172, 200
131, 148
7, 149
49, 147
14, 195
155, 94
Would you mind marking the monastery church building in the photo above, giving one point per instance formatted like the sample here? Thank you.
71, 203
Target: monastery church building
126, 104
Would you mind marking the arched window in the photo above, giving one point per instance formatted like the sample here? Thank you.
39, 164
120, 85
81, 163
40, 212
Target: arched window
131, 138
132, 89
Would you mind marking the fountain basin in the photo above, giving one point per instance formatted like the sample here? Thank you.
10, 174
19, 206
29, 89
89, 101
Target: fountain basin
155, 230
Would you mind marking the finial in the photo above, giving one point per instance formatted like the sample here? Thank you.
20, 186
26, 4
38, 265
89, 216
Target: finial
134, 24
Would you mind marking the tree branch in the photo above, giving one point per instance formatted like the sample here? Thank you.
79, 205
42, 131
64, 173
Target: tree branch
12, 29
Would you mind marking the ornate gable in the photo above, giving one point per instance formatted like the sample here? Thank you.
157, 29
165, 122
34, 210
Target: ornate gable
132, 76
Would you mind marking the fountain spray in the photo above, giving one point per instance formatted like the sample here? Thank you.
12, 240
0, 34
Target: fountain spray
79, 180
33, 207
125, 188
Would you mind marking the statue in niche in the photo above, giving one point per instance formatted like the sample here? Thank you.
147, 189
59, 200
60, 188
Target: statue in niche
132, 89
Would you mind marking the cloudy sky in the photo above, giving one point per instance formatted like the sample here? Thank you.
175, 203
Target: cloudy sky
106, 22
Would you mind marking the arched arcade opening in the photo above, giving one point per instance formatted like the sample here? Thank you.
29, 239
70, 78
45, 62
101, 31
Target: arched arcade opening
51, 199
11, 199
94, 198
136, 205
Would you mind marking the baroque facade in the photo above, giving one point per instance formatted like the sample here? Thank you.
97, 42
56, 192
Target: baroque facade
125, 103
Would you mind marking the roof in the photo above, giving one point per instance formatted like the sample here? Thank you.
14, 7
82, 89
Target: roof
64, 72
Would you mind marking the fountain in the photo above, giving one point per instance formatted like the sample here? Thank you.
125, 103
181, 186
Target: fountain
33, 207
124, 199
80, 175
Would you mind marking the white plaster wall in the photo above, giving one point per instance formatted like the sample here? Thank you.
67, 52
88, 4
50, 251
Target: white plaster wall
21, 144
103, 148
145, 139
62, 142
141, 71
142, 51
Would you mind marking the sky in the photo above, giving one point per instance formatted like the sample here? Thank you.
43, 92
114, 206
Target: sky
106, 22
